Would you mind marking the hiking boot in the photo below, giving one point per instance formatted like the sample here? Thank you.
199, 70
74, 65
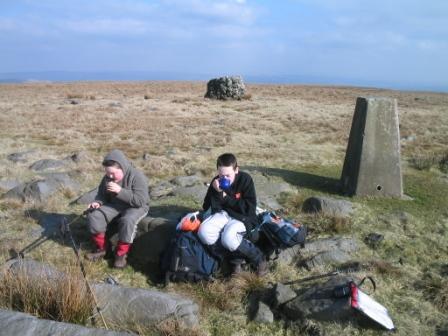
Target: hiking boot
96, 255
262, 268
120, 261
237, 269
236, 266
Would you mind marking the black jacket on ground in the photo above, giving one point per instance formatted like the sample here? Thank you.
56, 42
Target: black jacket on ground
240, 201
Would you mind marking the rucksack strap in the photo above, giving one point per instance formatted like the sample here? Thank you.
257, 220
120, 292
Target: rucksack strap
346, 289
371, 280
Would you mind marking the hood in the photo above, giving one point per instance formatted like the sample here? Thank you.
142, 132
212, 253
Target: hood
118, 156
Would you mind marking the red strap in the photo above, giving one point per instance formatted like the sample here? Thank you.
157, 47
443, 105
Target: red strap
354, 295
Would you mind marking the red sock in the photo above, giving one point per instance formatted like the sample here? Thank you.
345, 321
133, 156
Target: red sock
100, 240
122, 248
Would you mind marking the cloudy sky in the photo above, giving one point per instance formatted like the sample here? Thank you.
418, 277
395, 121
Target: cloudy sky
389, 43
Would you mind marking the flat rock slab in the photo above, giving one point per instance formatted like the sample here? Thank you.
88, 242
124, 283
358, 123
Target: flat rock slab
321, 251
186, 181
329, 251
331, 244
161, 190
196, 192
47, 164
327, 258
269, 189
328, 206
15, 323
124, 305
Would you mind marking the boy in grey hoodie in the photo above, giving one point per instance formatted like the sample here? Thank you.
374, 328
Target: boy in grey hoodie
122, 194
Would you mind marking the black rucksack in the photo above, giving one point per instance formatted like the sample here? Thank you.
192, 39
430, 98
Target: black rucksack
187, 260
277, 233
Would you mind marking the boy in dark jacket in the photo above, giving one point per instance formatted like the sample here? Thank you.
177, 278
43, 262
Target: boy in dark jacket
122, 193
232, 200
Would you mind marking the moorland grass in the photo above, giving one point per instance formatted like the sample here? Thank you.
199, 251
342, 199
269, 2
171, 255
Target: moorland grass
296, 133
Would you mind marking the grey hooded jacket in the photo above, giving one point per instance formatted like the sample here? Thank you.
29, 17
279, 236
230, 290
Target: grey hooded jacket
134, 192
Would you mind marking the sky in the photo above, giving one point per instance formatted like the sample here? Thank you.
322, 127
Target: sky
382, 43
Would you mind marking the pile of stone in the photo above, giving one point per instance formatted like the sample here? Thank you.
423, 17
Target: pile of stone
224, 88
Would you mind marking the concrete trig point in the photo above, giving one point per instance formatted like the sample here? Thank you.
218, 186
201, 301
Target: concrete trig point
372, 161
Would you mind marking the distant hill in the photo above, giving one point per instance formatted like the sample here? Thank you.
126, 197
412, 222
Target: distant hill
70, 76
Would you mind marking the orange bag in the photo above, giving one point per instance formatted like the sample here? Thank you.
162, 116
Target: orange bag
190, 222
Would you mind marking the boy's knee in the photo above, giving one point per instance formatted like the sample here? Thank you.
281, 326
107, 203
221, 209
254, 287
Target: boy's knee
206, 235
230, 242
233, 235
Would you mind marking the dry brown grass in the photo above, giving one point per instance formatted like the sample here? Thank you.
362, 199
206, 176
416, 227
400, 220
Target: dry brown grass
223, 295
175, 328
305, 124
326, 224
63, 298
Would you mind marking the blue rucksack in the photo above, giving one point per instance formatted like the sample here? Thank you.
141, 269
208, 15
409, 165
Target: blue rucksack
277, 233
187, 260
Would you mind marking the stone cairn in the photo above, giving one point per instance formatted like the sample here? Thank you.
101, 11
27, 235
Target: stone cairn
224, 88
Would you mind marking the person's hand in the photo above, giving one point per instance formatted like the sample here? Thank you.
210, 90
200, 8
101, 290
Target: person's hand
113, 187
94, 205
215, 185
217, 188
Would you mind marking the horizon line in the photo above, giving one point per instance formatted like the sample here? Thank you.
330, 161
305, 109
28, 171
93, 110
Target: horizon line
137, 75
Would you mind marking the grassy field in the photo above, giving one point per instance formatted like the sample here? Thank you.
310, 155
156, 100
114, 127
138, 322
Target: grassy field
298, 132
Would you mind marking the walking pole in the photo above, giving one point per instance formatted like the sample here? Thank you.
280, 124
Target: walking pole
66, 229
314, 277
21, 254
